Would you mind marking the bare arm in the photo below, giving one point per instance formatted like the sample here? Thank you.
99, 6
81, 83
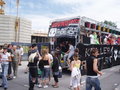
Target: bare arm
71, 66
9, 59
95, 67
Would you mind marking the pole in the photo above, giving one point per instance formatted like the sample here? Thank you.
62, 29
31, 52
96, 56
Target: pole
17, 23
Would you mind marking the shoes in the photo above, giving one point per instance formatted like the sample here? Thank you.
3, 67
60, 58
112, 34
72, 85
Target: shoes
5, 88
40, 86
14, 77
46, 86
9, 78
55, 86
70, 87
1, 85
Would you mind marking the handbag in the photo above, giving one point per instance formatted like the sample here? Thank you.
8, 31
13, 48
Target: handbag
39, 72
56, 73
60, 72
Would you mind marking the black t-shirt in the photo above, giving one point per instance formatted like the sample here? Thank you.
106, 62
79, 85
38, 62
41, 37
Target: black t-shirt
89, 62
55, 66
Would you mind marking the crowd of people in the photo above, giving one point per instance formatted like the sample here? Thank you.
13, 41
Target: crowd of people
42, 64
102, 38
10, 58
46, 65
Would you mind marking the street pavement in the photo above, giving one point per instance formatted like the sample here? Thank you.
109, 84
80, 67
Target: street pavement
109, 81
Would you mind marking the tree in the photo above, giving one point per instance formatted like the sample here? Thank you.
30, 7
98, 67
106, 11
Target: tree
110, 23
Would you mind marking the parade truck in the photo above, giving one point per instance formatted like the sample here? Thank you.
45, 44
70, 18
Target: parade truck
76, 30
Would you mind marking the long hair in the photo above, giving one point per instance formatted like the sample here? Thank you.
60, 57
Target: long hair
75, 57
44, 52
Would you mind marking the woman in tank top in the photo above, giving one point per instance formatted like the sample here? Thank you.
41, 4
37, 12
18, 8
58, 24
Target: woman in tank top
45, 61
75, 74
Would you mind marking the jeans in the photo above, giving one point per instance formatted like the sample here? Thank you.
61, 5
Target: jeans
92, 82
15, 67
31, 84
10, 68
45, 73
4, 74
65, 57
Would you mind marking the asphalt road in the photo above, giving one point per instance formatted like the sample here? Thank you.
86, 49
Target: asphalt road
109, 81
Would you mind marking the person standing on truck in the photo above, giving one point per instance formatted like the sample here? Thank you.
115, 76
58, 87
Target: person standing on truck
92, 71
69, 53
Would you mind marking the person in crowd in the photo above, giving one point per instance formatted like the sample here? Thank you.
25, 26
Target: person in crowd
96, 38
15, 60
51, 60
92, 71
33, 68
69, 53
10, 50
108, 57
76, 52
21, 54
92, 41
5, 59
55, 69
45, 67
29, 52
75, 74
105, 41
99, 37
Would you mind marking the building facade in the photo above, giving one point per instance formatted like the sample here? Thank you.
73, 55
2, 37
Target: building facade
40, 38
8, 32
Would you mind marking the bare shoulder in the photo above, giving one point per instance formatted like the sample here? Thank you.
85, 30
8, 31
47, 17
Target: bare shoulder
79, 61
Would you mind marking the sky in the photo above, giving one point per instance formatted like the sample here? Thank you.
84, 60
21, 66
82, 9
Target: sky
42, 12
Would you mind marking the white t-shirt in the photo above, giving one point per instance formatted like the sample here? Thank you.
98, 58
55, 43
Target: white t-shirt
71, 48
50, 56
21, 51
92, 40
5, 57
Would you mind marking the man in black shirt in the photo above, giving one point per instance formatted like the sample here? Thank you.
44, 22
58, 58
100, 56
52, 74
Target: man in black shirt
33, 71
92, 71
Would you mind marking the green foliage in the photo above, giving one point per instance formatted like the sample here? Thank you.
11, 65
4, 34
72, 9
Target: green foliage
110, 23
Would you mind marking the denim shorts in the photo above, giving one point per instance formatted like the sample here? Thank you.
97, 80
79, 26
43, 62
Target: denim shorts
45, 73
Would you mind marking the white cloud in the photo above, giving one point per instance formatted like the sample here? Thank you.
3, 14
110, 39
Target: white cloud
99, 10
40, 23
67, 1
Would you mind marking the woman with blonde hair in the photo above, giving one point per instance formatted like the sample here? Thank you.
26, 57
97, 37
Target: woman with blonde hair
75, 74
45, 67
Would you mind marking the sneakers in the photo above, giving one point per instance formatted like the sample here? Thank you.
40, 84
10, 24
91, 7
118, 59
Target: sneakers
40, 86
70, 87
5, 88
14, 77
1, 85
46, 86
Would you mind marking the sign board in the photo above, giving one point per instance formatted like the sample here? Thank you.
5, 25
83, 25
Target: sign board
64, 28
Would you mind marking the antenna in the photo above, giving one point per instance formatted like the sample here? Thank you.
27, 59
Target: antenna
2, 3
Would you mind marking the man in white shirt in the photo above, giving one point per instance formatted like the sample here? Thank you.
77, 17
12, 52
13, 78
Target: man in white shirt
69, 53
